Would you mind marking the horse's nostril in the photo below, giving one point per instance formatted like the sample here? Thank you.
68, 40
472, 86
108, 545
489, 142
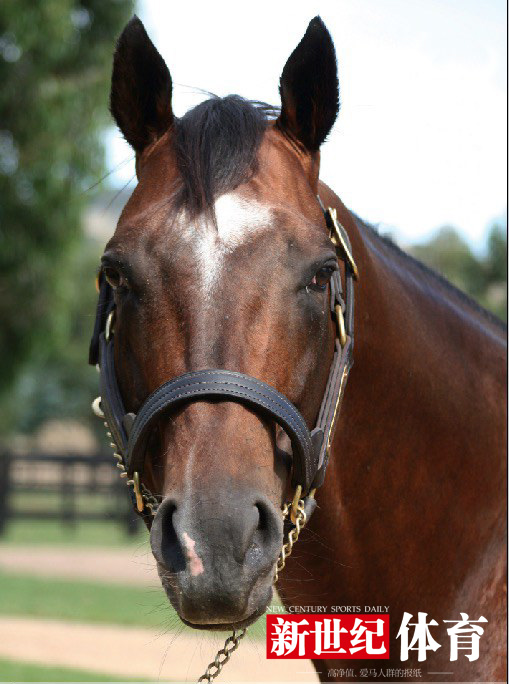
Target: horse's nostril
263, 516
168, 549
265, 534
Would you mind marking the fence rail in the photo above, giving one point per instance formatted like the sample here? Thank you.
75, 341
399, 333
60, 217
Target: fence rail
67, 480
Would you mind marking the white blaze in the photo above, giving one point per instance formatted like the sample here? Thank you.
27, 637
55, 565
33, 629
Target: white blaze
237, 219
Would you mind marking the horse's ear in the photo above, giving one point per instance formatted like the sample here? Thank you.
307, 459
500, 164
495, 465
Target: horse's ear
309, 88
140, 98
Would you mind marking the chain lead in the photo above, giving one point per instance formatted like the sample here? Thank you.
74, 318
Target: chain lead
223, 656
293, 535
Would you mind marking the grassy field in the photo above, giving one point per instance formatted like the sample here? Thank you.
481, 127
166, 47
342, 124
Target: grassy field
83, 601
25, 595
40, 532
13, 671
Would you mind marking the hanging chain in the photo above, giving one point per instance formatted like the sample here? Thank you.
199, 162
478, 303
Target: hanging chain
293, 535
223, 656
152, 502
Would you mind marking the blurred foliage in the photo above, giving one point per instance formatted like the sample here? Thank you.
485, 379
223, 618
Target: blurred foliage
55, 64
57, 381
482, 277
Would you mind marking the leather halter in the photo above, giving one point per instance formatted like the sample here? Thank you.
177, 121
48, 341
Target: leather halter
311, 449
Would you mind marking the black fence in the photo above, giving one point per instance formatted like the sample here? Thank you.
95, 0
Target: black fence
80, 488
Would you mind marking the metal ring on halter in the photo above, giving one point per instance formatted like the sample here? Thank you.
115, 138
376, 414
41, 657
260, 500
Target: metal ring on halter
109, 325
295, 503
137, 492
341, 325
96, 408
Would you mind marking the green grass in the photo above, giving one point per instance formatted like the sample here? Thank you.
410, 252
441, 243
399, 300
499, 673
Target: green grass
14, 671
82, 501
84, 601
25, 595
41, 532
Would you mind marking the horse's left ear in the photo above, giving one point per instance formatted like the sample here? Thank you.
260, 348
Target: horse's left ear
309, 88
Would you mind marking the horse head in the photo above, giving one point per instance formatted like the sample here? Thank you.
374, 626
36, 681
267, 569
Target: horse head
222, 259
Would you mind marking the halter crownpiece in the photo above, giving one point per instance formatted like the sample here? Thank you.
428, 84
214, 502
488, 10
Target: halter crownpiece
311, 449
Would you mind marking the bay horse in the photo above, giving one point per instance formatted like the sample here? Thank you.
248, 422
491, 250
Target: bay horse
222, 259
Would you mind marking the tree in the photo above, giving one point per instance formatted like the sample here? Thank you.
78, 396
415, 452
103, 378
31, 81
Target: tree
450, 255
483, 278
495, 272
55, 62
496, 260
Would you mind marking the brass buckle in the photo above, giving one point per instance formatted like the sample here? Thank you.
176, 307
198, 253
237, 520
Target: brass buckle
340, 321
137, 492
295, 503
338, 241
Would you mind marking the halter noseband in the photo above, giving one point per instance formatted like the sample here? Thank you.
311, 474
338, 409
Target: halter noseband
311, 449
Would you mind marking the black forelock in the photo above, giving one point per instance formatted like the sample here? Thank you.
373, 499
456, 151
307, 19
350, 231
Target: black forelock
216, 145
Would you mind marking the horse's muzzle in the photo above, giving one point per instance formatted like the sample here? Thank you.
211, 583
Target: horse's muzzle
216, 559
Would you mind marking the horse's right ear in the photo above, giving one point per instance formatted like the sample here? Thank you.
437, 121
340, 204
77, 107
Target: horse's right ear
140, 98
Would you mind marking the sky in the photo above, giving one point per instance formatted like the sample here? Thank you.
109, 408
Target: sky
421, 138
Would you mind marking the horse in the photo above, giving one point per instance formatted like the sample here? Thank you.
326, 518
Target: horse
222, 259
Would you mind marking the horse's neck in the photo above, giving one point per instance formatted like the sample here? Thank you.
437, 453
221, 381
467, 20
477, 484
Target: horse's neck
419, 445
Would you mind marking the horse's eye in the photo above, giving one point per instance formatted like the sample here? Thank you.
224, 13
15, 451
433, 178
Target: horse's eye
322, 277
115, 278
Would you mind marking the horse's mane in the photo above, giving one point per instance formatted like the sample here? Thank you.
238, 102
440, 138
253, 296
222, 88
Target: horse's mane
216, 145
